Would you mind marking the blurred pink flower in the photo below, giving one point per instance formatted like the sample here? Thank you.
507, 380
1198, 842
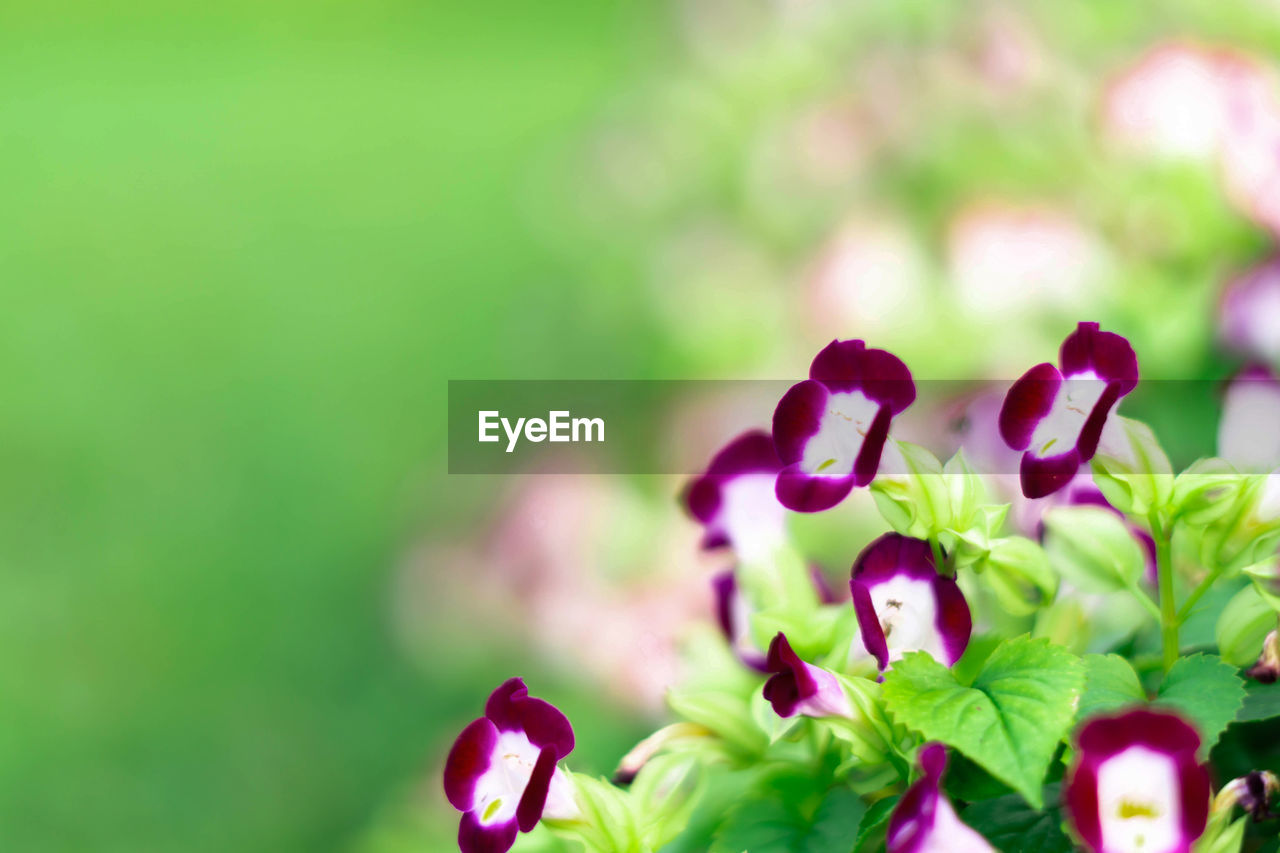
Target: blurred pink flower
1170, 103
870, 277
1007, 259
597, 576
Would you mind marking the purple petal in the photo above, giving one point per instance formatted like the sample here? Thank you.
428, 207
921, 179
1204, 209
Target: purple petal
751, 452
892, 555
844, 366
1029, 400
474, 837
1041, 476
1087, 443
1106, 354
725, 587
925, 820
469, 758
954, 621
798, 418
792, 684
1162, 733
534, 799
868, 461
800, 492
873, 639
735, 498
511, 708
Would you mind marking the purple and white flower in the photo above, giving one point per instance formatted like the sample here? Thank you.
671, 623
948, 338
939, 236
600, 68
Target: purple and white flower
733, 613
1247, 434
1055, 414
924, 821
1136, 785
735, 501
1249, 315
502, 774
830, 429
904, 605
797, 687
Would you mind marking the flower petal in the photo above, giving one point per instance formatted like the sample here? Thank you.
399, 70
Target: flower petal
844, 366
924, 821
735, 500
868, 461
529, 812
1041, 476
470, 757
800, 492
1105, 354
511, 708
476, 837
798, 418
1028, 402
731, 613
801, 688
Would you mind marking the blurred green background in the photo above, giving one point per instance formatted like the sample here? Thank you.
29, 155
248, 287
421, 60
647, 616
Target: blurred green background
244, 246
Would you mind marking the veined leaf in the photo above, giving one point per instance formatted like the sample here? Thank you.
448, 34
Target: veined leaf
1009, 721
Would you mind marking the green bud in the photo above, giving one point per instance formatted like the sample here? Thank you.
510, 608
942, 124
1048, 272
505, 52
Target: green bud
1131, 468
1243, 625
1093, 549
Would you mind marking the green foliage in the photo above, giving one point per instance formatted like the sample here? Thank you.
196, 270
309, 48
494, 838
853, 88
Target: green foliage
873, 825
1012, 827
1134, 474
725, 712
1261, 702
1110, 683
1206, 690
1093, 549
1243, 626
1009, 721
791, 813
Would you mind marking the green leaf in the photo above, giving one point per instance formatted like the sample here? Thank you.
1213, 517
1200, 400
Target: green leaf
1013, 828
1109, 683
1009, 721
1093, 549
874, 823
1205, 689
790, 815
1243, 626
1261, 702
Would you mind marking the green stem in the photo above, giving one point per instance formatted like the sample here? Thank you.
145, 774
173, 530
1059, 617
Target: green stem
1168, 607
1196, 594
1146, 601
939, 562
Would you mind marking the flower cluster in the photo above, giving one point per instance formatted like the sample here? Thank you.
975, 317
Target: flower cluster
1049, 671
